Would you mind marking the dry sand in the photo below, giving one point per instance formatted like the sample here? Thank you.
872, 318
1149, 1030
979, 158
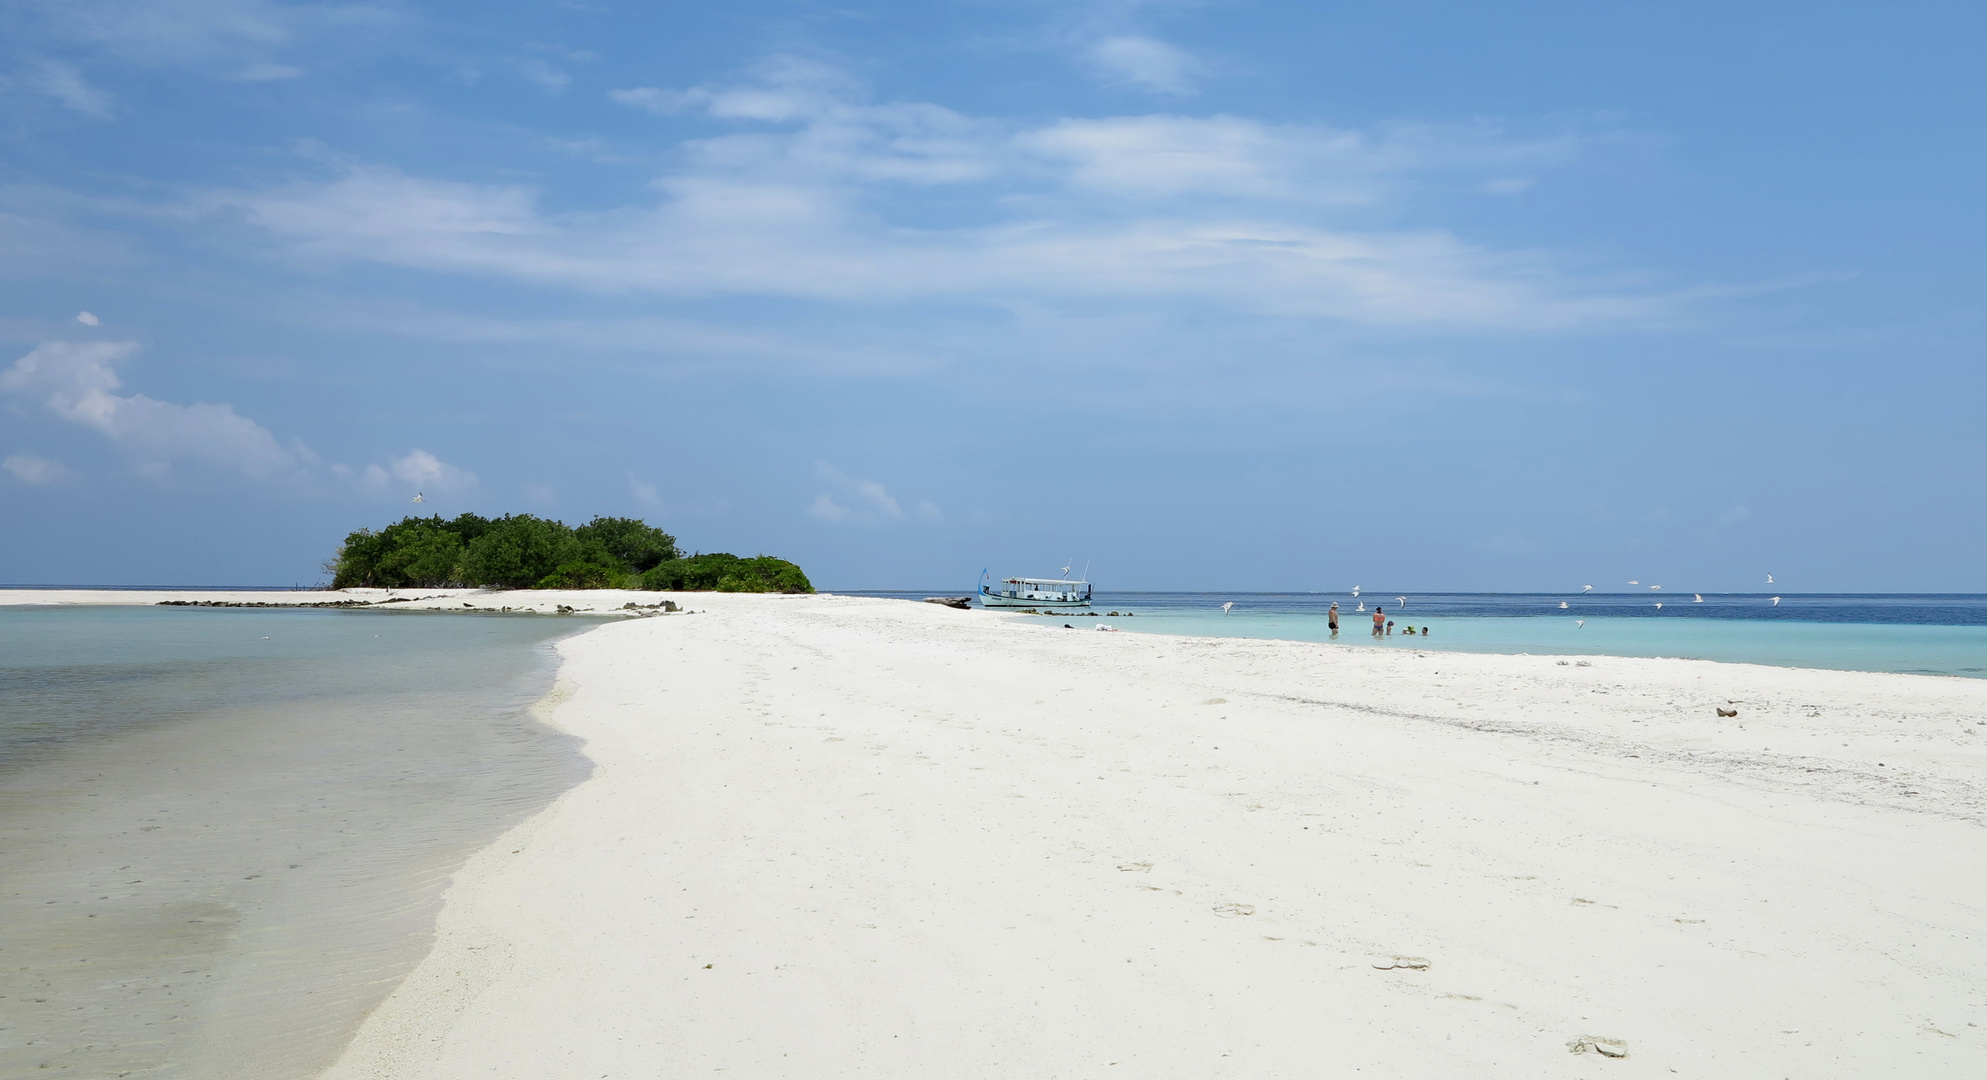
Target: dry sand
843, 837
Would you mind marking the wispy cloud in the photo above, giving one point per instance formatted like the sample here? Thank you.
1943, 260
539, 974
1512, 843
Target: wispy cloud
267, 73
218, 34
644, 492
545, 76
1218, 212
1147, 64
55, 79
32, 468
853, 501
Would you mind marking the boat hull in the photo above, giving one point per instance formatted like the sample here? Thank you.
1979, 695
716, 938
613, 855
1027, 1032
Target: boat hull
996, 601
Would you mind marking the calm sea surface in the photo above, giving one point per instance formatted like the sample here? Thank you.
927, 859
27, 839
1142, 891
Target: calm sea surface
1921, 633
224, 833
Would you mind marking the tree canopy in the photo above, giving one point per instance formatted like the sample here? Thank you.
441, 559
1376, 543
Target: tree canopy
520, 551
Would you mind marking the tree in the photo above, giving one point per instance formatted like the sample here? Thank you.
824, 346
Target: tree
517, 552
722, 572
632, 542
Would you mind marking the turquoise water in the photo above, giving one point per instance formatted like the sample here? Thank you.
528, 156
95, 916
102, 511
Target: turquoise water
224, 833
1920, 649
1935, 634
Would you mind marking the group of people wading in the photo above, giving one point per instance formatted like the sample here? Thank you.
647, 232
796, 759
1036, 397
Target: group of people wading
1382, 626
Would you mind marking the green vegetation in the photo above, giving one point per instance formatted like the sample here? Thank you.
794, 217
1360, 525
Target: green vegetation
519, 551
727, 573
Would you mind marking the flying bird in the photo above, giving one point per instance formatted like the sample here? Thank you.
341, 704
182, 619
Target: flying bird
1581, 623
1226, 606
1355, 590
1635, 583
1776, 601
1659, 607
1562, 605
1769, 579
1586, 588
1361, 607
1065, 570
418, 497
1696, 598
1402, 600
1655, 587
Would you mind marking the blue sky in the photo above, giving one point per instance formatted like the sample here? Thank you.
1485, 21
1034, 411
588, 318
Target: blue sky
1207, 295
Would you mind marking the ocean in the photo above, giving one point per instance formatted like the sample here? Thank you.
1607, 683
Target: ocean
1930, 634
224, 833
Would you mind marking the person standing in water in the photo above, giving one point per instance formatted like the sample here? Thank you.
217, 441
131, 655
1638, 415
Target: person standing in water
1331, 618
1379, 620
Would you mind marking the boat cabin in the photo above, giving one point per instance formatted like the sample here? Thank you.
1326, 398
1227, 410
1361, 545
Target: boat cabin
1043, 590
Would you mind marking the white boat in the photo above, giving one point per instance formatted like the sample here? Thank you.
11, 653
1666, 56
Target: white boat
1042, 594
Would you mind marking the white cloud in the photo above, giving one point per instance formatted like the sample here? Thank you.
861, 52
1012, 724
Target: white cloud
643, 491
267, 73
65, 84
213, 33
87, 319
1075, 212
1146, 63
415, 472
32, 468
650, 99
856, 501
78, 383
548, 78
825, 508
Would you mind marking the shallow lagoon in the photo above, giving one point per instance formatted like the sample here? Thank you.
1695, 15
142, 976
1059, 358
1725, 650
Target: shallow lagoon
224, 833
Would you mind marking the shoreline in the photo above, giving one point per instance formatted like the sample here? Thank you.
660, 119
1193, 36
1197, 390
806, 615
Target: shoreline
224, 840
835, 836
648, 604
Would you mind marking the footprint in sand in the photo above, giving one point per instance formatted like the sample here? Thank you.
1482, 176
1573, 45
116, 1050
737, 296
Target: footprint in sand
1233, 911
1402, 963
1136, 867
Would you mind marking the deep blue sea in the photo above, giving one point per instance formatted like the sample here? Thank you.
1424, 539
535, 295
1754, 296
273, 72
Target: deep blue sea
1935, 634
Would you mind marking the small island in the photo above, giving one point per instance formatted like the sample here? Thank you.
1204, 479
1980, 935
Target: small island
521, 551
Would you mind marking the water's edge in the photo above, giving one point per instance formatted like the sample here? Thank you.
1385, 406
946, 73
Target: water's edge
244, 886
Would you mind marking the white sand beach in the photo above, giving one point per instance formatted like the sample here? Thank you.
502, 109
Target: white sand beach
833, 836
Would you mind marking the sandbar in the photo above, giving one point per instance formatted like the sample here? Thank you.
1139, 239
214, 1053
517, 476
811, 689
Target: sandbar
835, 836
